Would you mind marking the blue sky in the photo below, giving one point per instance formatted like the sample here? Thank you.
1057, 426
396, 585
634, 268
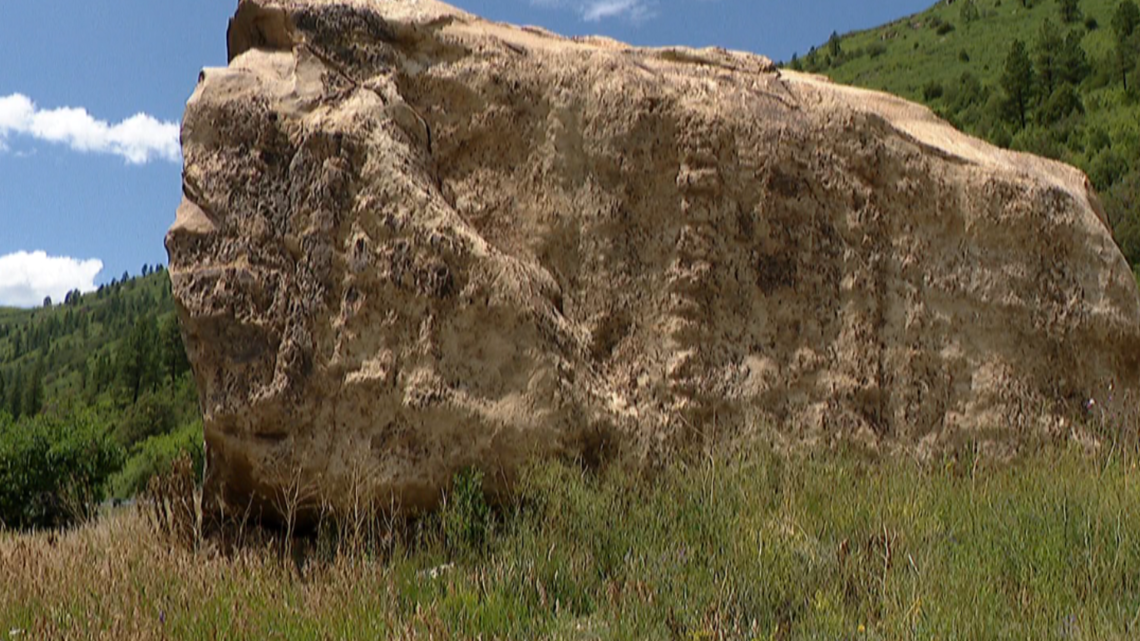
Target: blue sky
91, 94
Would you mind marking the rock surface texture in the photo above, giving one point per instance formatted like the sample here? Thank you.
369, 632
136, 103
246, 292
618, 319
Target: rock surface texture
413, 240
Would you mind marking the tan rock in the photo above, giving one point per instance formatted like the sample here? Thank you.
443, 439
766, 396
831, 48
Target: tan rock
413, 240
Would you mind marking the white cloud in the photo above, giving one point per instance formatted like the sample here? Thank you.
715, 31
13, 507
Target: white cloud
26, 278
598, 10
139, 139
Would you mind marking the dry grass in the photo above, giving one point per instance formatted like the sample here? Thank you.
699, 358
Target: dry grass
826, 545
119, 579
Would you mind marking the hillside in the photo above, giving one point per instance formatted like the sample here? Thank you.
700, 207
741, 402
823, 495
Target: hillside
103, 375
67, 343
1072, 93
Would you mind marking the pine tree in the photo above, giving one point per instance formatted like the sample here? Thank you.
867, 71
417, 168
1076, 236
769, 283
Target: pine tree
1126, 53
16, 395
1124, 23
174, 360
1125, 19
1046, 59
136, 357
1017, 80
1072, 60
834, 47
34, 392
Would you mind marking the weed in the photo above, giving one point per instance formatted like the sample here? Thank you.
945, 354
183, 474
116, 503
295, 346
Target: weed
173, 505
465, 517
761, 545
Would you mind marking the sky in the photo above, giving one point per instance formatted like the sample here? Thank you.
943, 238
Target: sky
92, 93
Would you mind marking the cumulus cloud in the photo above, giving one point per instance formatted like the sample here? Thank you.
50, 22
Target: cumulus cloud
138, 139
26, 278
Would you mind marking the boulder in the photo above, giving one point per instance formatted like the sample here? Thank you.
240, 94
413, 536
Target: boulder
413, 240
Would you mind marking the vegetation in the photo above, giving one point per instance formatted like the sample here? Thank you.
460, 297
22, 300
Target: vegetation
832, 545
53, 469
1056, 78
96, 399
95, 395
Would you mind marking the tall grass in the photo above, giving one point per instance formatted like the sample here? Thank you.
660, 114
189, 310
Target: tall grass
828, 545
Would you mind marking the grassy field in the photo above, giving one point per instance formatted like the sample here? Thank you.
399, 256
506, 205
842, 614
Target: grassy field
830, 545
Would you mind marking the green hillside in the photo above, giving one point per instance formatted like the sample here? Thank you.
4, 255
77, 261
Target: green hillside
1069, 91
98, 385
65, 344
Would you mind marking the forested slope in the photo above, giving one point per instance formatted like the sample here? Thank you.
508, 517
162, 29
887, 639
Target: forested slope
1057, 78
95, 396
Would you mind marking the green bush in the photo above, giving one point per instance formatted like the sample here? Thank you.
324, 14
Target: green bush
1063, 102
1107, 167
932, 91
1122, 205
155, 456
466, 517
1037, 140
153, 415
54, 469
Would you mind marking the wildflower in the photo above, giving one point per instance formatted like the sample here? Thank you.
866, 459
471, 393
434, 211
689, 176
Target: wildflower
862, 628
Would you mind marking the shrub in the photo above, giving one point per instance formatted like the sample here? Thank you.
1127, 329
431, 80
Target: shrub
964, 93
1064, 101
1108, 167
152, 415
466, 517
1038, 140
1122, 205
932, 90
1096, 139
54, 469
156, 455
969, 11
172, 504
944, 28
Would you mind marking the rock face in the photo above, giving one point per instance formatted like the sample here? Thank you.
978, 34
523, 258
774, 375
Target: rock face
413, 240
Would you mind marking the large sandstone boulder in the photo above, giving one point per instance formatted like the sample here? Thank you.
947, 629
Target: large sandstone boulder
413, 240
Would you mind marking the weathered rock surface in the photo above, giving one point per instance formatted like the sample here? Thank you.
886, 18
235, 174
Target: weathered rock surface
413, 240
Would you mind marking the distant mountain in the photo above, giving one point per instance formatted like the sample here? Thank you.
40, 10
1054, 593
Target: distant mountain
1070, 91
